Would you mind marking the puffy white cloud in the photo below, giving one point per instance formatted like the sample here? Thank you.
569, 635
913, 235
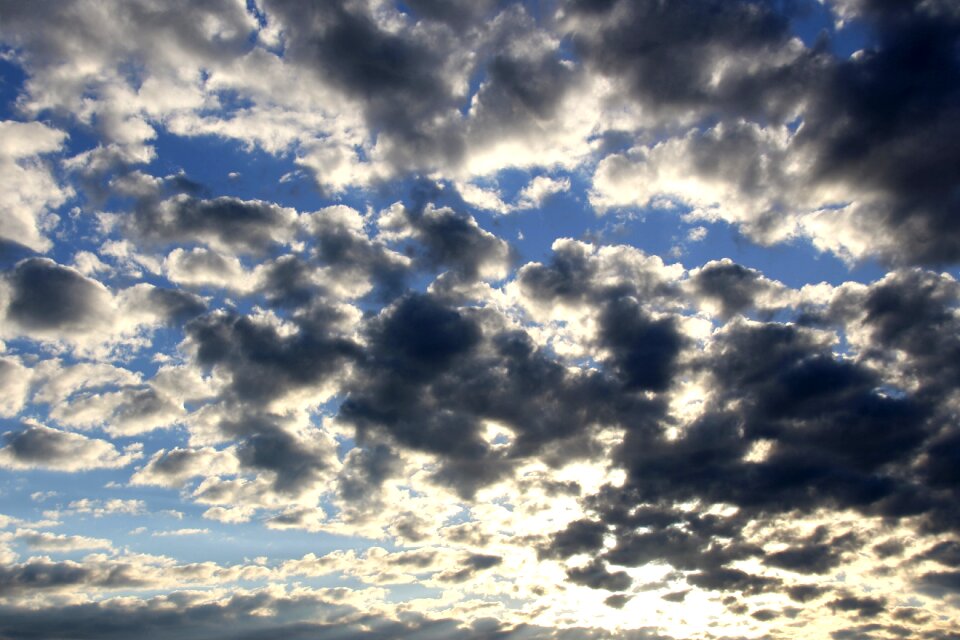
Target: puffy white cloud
32, 191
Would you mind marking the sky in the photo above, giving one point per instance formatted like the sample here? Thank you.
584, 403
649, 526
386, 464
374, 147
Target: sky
479, 319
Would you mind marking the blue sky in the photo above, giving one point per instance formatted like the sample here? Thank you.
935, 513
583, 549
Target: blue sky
486, 319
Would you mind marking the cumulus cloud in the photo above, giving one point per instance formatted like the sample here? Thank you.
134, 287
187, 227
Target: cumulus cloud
32, 190
485, 438
35, 446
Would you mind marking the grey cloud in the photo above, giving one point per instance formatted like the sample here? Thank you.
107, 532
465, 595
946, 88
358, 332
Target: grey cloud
264, 364
833, 438
432, 373
453, 240
726, 579
177, 466
665, 53
240, 225
397, 77
176, 307
348, 250
364, 470
46, 541
805, 592
36, 446
874, 128
597, 576
817, 554
941, 582
578, 537
520, 94
266, 446
459, 14
48, 39
304, 617
643, 350
734, 287
865, 607
617, 601
48, 297
946, 553
675, 596
473, 564
882, 121
42, 575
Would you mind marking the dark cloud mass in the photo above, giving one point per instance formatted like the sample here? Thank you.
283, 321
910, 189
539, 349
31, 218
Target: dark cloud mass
346, 320
883, 120
46, 296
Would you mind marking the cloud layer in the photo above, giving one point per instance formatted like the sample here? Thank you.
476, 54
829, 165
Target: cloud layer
349, 319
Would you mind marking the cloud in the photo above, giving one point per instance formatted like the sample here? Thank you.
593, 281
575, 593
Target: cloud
857, 180
15, 386
48, 299
38, 447
32, 190
449, 239
57, 542
180, 532
52, 303
224, 223
590, 436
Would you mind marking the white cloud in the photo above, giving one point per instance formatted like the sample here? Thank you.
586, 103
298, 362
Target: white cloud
31, 190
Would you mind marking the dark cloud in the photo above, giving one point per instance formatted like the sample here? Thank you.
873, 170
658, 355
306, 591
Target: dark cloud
882, 121
940, 582
39, 574
665, 53
818, 553
726, 579
806, 592
459, 14
643, 350
36, 446
46, 296
239, 225
946, 553
432, 374
397, 77
176, 307
866, 607
472, 564
453, 240
733, 287
263, 363
240, 617
597, 576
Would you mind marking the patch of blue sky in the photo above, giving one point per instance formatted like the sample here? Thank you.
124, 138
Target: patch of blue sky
62, 488
12, 78
815, 20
